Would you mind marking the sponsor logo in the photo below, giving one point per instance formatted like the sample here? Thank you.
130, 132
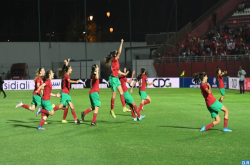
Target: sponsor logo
17, 85
161, 82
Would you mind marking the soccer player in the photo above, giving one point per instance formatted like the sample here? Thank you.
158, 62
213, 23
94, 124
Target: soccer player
46, 105
221, 83
66, 100
143, 81
113, 60
128, 98
213, 105
36, 96
93, 95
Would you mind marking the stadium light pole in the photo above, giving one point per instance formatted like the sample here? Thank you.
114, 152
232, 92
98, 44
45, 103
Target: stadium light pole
39, 33
85, 35
176, 39
130, 34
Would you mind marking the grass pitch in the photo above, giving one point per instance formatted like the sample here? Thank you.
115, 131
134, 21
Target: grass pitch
169, 134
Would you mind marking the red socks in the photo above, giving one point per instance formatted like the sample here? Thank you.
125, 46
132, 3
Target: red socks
74, 114
225, 122
65, 113
87, 111
140, 107
146, 102
112, 103
122, 100
94, 117
132, 112
209, 126
56, 108
42, 123
25, 106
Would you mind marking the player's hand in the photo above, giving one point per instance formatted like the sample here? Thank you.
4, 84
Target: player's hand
97, 68
126, 73
122, 40
77, 81
131, 90
58, 95
133, 73
124, 70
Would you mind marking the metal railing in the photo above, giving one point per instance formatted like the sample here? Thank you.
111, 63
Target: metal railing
201, 58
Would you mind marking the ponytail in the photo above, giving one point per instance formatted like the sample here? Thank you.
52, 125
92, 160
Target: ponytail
139, 76
217, 70
92, 70
198, 77
46, 75
38, 72
107, 59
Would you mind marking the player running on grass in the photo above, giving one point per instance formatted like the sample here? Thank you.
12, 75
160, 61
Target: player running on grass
93, 95
112, 60
213, 105
46, 105
143, 81
128, 98
221, 83
36, 96
66, 100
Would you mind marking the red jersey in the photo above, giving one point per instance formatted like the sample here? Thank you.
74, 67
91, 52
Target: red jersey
209, 98
115, 67
221, 83
123, 81
47, 90
37, 80
142, 83
94, 85
65, 84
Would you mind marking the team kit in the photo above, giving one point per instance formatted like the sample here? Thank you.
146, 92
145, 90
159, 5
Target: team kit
117, 80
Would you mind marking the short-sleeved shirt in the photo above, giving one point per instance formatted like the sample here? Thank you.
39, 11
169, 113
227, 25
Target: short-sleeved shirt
37, 80
123, 81
115, 66
94, 85
143, 82
47, 90
66, 84
209, 98
221, 83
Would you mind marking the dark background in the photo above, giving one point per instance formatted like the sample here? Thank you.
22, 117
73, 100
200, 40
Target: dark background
19, 18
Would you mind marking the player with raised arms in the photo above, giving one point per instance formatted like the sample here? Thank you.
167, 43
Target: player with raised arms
221, 83
113, 60
66, 100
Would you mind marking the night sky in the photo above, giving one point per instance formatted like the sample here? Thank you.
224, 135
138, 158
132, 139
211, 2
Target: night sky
19, 18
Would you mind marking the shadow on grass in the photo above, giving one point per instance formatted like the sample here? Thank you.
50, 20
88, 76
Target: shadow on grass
129, 115
26, 126
16, 121
188, 128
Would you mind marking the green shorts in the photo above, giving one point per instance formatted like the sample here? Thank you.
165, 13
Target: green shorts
114, 82
36, 100
95, 99
46, 104
143, 95
222, 91
215, 108
128, 98
65, 99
